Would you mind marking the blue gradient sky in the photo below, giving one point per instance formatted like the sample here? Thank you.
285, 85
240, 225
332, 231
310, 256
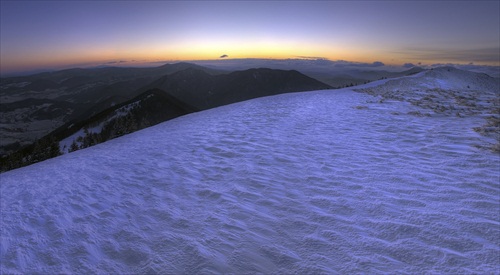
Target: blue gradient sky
56, 34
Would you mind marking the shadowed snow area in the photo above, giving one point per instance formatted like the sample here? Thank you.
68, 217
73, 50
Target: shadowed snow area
318, 182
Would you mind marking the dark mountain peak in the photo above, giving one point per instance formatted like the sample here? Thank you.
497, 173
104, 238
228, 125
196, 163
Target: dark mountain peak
258, 82
175, 67
178, 65
184, 79
204, 90
264, 70
191, 72
266, 73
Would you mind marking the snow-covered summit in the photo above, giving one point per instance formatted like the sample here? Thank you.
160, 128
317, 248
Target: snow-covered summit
446, 78
451, 92
320, 182
453, 78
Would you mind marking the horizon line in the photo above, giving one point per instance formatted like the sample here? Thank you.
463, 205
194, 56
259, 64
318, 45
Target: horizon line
152, 64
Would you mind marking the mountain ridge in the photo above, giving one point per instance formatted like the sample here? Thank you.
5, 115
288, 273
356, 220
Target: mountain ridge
210, 91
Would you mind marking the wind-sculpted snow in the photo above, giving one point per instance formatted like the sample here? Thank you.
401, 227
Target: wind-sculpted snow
318, 182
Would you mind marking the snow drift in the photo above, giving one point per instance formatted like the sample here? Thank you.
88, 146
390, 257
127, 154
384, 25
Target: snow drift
317, 182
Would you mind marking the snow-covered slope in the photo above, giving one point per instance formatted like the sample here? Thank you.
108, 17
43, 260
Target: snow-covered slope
318, 182
447, 91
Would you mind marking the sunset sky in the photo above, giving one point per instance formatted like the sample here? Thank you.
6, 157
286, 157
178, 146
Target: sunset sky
58, 34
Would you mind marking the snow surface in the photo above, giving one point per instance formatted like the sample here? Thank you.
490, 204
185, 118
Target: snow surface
316, 182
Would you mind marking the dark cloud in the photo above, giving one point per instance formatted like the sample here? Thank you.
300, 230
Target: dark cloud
115, 62
317, 61
343, 63
224, 56
409, 65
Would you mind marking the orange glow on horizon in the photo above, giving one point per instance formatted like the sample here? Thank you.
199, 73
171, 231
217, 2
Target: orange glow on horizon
203, 51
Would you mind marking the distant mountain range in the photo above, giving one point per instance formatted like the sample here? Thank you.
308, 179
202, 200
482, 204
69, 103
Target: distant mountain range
77, 108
